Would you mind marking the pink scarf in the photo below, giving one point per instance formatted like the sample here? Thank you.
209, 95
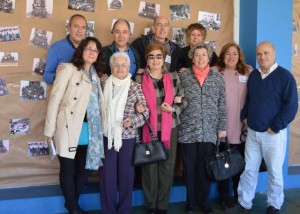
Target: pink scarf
150, 95
201, 75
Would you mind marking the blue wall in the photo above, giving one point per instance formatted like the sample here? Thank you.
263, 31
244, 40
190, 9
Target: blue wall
269, 20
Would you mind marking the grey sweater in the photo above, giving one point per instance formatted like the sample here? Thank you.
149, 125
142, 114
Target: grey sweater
205, 113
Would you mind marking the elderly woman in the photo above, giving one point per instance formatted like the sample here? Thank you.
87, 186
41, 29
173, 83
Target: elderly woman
164, 96
235, 72
196, 34
120, 95
74, 121
121, 31
203, 120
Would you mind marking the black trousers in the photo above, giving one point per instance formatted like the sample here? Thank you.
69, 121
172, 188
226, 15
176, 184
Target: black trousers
223, 186
73, 176
196, 179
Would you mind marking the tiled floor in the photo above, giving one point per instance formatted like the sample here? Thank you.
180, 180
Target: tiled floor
291, 205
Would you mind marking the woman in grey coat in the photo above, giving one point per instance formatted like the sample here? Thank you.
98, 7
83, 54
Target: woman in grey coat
203, 120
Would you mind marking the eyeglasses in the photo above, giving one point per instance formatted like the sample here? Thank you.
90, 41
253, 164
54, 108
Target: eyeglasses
152, 56
92, 51
120, 65
162, 25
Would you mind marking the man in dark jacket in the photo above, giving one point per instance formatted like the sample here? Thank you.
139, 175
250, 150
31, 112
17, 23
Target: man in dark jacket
160, 33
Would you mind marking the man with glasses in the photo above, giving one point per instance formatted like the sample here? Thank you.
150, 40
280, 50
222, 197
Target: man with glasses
62, 50
160, 33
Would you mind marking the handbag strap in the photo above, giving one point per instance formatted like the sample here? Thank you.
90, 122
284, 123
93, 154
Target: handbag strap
153, 136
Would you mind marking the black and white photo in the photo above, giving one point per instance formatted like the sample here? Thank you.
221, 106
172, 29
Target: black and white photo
180, 12
19, 126
149, 10
211, 21
87, 5
39, 8
4, 146
179, 37
38, 149
32, 90
9, 58
38, 66
8, 34
3, 87
114, 4
40, 38
7, 6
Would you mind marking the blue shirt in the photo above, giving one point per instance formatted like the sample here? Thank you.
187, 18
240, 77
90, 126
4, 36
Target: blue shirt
60, 52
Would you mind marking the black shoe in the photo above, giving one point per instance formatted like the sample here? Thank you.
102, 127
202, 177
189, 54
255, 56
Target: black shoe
236, 208
272, 210
161, 211
190, 208
151, 211
207, 209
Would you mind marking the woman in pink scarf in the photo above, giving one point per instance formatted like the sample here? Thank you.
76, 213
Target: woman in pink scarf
164, 98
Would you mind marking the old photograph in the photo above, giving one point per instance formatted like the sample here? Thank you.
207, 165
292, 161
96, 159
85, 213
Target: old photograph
9, 58
212, 44
149, 10
37, 148
38, 66
39, 8
87, 5
179, 37
10, 33
211, 21
3, 87
180, 12
7, 6
114, 4
40, 38
4, 146
19, 126
32, 90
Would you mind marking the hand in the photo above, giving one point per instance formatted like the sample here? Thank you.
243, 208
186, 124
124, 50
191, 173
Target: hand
139, 107
60, 67
245, 122
221, 134
140, 71
249, 68
182, 70
48, 139
177, 99
104, 77
270, 131
127, 123
166, 108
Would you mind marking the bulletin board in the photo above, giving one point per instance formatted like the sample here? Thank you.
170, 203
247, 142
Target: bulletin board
294, 147
17, 168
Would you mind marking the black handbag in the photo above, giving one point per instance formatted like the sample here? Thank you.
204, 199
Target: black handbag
226, 164
149, 152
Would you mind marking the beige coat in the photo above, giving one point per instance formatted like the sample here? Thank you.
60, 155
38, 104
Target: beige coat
67, 107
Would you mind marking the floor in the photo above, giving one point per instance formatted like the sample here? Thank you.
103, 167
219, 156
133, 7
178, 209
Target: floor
291, 205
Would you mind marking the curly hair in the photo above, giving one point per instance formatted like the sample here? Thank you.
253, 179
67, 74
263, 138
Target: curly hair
241, 66
200, 46
78, 61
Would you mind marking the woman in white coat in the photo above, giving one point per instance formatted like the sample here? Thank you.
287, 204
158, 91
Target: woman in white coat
74, 119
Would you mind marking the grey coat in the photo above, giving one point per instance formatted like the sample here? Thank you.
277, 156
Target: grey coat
206, 110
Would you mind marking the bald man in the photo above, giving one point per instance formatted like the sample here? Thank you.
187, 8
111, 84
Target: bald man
160, 31
271, 104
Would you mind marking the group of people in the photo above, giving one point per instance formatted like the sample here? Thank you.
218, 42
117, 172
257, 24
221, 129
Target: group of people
191, 97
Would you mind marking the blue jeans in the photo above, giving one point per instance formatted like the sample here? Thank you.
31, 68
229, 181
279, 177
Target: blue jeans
272, 148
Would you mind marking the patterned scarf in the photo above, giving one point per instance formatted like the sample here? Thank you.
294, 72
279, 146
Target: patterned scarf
95, 149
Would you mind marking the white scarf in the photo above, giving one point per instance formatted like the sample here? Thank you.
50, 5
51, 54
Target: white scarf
113, 126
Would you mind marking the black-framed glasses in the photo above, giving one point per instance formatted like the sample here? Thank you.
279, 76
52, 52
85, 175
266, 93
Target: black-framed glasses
152, 56
90, 50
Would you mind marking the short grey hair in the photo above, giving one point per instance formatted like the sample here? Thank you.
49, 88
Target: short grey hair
119, 54
200, 46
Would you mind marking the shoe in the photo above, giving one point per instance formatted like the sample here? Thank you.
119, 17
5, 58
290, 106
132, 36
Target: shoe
207, 209
272, 210
190, 208
236, 208
151, 211
161, 211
